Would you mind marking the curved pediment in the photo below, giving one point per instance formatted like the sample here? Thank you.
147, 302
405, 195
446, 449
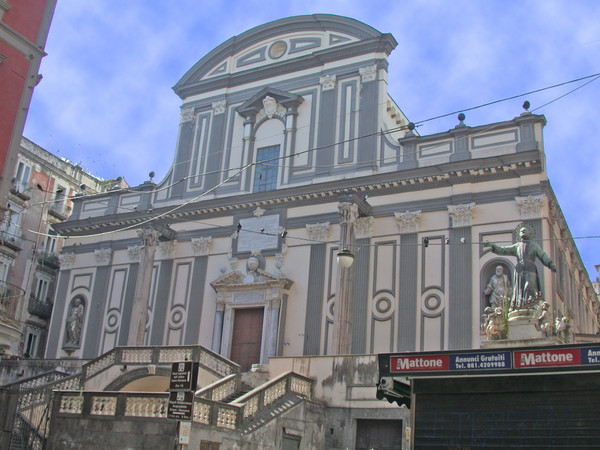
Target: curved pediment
274, 44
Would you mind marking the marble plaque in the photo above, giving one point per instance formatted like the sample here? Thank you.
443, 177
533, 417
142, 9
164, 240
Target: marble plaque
258, 233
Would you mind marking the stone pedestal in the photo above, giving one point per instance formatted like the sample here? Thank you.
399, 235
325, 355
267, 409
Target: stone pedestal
521, 325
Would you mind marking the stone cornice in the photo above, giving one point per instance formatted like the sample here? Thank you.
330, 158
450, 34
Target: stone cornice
443, 175
20, 42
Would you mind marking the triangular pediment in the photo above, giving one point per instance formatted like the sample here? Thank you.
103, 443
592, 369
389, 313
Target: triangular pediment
255, 104
254, 280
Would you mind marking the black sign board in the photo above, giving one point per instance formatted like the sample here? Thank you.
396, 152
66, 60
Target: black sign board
183, 376
181, 405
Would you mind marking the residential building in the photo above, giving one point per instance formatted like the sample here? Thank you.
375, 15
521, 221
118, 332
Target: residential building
24, 28
40, 196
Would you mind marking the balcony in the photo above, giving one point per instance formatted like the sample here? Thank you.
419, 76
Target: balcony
60, 211
49, 259
11, 240
40, 308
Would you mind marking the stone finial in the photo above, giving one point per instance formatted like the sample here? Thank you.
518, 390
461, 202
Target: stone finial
318, 231
531, 206
327, 82
461, 215
201, 245
408, 221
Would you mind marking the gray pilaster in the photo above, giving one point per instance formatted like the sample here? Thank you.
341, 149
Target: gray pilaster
326, 133
408, 145
527, 141
128, 303
214, 152
367, 125
314, 302
58, 311
96, 305
161, 303
461, 143
460, 283
407, 308
181, 165
361, 295
192, 328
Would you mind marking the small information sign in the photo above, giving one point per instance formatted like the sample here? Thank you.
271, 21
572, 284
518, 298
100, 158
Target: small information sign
183, 376
181, 405
185, 430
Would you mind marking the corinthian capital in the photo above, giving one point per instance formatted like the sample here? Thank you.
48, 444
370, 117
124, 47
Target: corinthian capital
348, 212
149, 237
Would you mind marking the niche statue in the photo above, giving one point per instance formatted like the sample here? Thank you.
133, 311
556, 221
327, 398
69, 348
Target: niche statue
498, 288
526, 280
74, 323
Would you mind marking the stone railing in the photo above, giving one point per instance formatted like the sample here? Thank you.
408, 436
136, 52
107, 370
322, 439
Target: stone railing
261, 398
145, 356
35, 399
37, 381
221, 389
206, 411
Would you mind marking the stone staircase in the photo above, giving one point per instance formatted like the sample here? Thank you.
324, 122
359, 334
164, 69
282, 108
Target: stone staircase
234, 402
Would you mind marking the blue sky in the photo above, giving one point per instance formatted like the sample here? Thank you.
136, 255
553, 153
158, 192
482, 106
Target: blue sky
106, 101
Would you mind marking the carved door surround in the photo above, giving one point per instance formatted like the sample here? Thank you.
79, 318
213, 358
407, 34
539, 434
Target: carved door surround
255, 289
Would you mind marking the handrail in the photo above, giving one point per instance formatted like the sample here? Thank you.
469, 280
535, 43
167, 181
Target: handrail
209, 360
139, 405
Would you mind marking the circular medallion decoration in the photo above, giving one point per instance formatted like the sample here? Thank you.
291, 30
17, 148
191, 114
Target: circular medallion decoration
277, 49
113, 318
433, 302
383, 305
176, 317
330, 309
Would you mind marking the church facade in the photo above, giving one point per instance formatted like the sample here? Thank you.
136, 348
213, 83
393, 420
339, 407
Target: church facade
290, 153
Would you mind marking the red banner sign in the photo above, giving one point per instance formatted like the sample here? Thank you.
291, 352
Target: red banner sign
527, 359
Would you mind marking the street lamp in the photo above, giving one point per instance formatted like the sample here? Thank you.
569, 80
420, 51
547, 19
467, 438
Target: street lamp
345, 258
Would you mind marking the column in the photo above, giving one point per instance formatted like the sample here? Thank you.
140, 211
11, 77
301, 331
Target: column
141, 296
273, 328
218, 328
342, 317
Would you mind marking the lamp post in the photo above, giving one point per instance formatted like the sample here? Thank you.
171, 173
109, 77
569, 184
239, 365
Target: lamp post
141, 297
343, 309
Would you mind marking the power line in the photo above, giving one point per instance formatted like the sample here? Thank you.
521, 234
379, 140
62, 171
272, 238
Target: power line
242, 169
